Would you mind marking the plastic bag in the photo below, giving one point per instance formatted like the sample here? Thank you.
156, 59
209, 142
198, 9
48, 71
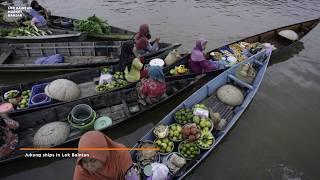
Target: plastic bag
201, 112
159, 171
172, 57
105, 78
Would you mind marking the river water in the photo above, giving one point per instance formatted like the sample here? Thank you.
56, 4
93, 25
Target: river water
276, 138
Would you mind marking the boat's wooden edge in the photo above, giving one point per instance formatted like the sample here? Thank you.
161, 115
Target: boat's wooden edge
192, 83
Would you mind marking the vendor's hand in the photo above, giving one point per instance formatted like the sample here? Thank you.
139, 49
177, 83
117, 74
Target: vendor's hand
207, 55
157, 40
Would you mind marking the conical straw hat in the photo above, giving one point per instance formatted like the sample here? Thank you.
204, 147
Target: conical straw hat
51, 134
63, 90
289, 34
230, 95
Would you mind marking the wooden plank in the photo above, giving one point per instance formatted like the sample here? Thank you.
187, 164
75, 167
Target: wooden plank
4, 56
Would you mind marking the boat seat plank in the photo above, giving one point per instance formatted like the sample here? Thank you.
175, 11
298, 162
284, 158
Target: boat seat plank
240, 82
258, 62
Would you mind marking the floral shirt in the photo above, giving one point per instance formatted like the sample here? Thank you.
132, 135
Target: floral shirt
8, 139
152, 88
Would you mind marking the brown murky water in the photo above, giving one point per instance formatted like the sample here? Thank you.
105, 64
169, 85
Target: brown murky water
276, 138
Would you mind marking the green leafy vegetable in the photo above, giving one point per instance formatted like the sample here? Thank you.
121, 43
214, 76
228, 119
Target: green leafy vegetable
94, 24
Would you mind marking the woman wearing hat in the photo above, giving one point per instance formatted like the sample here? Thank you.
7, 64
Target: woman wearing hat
101, 164
142, 44
199, 61
154, 88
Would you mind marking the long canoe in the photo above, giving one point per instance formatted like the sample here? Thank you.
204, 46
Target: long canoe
56, 36
77, 55
115, 104
207, 96
87, 81
271, 36
64, 33
116, 33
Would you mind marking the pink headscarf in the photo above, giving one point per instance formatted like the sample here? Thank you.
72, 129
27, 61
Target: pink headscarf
141, 39
197, 52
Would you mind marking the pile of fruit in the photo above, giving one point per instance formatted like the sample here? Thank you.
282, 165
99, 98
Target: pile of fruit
238, 49
203, 123
11, 94
166, 146
106, 70
184, 116
118, 81
206, 140
175, 132
25, 99
179, 70
201, 106
191, 132
192, 129
189, 150
216, 55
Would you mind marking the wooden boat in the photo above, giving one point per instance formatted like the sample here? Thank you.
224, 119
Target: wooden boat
63, 33
77, 55
116, 34
86, 79
56, 36
207, 95
116, 105
271, 36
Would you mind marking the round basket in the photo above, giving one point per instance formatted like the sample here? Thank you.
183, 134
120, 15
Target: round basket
164, 154
179, 122
180, 132
211, 128
179, 147
197, 137
6, 94
165, 161
157, 157
166, 134
213, 142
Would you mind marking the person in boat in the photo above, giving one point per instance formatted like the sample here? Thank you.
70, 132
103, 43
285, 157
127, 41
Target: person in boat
153, 89
41, 10
134, 70
8, 139
199, 61
37, 20
142, 44
101, 164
